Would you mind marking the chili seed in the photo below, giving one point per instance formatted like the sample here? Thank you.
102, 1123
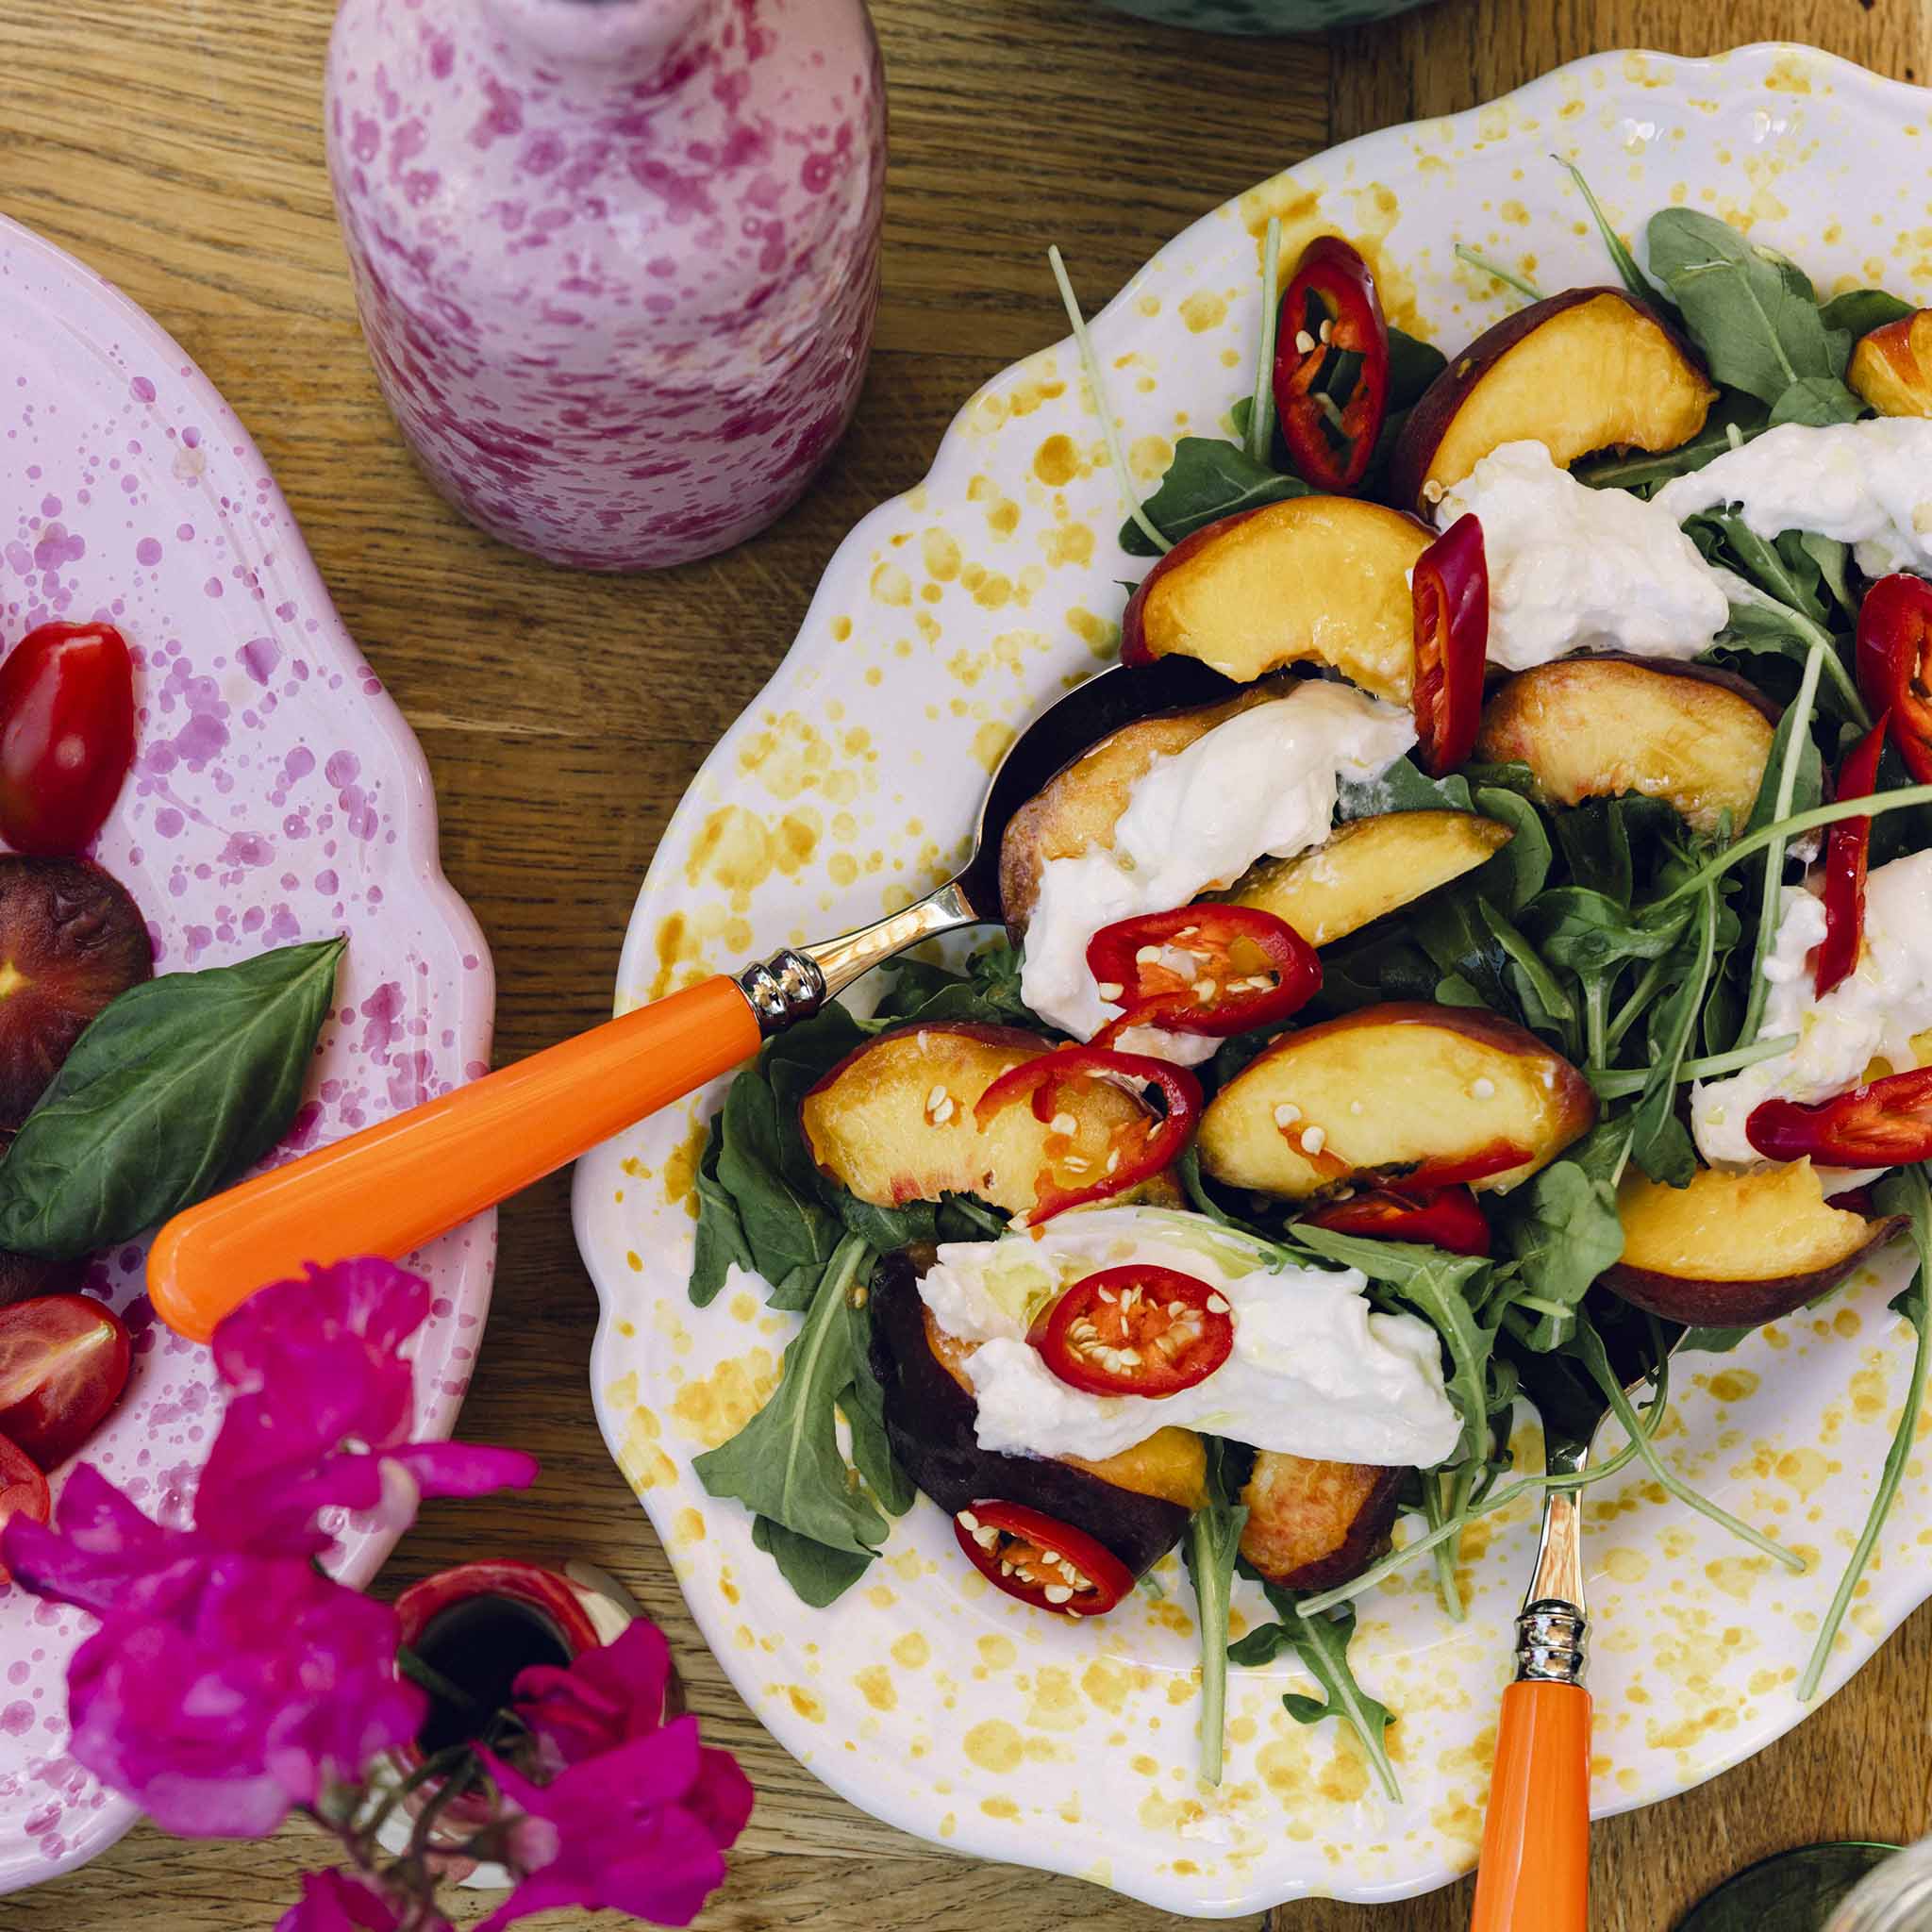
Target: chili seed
1064, 1123
1304, 341
1059, 1594
1110, 988
1217, 1305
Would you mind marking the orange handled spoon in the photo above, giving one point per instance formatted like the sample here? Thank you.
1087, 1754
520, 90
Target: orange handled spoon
390, 1188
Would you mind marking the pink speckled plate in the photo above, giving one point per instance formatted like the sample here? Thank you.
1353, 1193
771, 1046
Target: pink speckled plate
277, 795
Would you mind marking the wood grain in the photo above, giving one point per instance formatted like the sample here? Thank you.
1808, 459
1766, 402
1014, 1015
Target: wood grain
177, 149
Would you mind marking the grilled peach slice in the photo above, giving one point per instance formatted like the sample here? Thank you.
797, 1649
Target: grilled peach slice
1891, 368
1592, 727
1733, 1250
1432, 1094
1082, 803
1316, 578
1369, 867
1313, 1525
1136, 1503
1583, 371
892, 1121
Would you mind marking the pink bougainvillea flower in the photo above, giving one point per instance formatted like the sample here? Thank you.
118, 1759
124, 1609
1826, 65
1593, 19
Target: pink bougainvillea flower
643, 1829
103, 1555
261, 1691
343, 1902
605, 1698
321, 1413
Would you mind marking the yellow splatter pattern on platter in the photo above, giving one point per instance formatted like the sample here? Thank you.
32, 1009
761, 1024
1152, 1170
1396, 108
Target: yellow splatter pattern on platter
949, 616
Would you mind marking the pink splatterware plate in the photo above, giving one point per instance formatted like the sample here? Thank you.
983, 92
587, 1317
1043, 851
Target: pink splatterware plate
277, 795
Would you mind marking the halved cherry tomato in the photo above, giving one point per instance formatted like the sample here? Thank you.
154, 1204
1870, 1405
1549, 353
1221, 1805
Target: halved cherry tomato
1886, 1123
1439, 1217
23, 1490
1136, 1152
1040, 1560
1846, 846
1330, 417
1212, 970
1450, 592
63, 1364
1136, 1330
66, 734
1895, 661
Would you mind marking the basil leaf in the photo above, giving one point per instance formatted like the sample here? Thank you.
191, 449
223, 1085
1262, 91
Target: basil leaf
721, 1241
1207, 481
785, 1462
1859, 311
1642, 472
1816, 400
177, 1088
1753, 313
818, 1573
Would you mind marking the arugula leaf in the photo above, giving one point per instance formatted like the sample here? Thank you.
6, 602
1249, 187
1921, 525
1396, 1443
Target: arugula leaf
1320, 1647
1538, 991
785, 1462
175, 1087
1632, 276
1213, 1543
818, 1573
988, 992
785, 1222
863, 1403
1413, 364
1817, 400
721, 1237
1208, 479
1904, 1192
1859, 311
1900, 832
1513, 876
1564, 1230
1639, 471
1753, 314
1659, 1144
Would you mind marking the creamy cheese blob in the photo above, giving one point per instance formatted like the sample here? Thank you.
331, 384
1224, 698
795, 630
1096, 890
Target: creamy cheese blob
1870, 1014
1315, 1370
1573, 568
1261, 784
1864, 483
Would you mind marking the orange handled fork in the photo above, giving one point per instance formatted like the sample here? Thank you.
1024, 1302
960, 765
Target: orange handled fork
408, 1180
1533, 1874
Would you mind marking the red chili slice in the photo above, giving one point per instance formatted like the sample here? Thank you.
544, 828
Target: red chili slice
1135, 1152
1886, 1123
1136, 1330
1894, 661
1439, 1217
1331, 308
1040, 1560
1847, 843
1249, 969
1450, 592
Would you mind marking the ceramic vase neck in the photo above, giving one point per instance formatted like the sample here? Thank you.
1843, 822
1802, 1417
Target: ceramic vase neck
623, 39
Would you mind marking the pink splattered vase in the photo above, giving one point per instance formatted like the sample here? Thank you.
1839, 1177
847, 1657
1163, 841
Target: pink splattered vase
617, 259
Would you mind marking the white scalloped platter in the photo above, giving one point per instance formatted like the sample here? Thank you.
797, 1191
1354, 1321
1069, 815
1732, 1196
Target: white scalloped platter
278, 795
945, 619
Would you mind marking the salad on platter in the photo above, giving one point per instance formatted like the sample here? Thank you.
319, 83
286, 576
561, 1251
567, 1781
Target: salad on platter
124, 1098
1518, 969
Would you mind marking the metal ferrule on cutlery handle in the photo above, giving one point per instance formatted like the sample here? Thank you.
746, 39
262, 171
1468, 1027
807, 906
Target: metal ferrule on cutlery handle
1533, 1874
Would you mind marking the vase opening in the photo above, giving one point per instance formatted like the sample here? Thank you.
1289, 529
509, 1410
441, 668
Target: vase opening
480, 1645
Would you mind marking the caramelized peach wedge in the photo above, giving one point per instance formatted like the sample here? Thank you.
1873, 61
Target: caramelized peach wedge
1427, 1093
1596, 728
1316, 579
1734, 1249
893, 1122
1368, 868
1891, 368
1587, 370
1312, 1523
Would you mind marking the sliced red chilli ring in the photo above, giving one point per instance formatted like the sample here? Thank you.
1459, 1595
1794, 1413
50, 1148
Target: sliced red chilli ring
1446, 1217
1893, 657
1331, 365
1040, 1560
1450, 595
1136, 1330
1886, 1122
1209, 969
1847, 847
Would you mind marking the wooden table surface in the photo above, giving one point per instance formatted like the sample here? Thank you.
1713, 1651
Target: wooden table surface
175, 145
